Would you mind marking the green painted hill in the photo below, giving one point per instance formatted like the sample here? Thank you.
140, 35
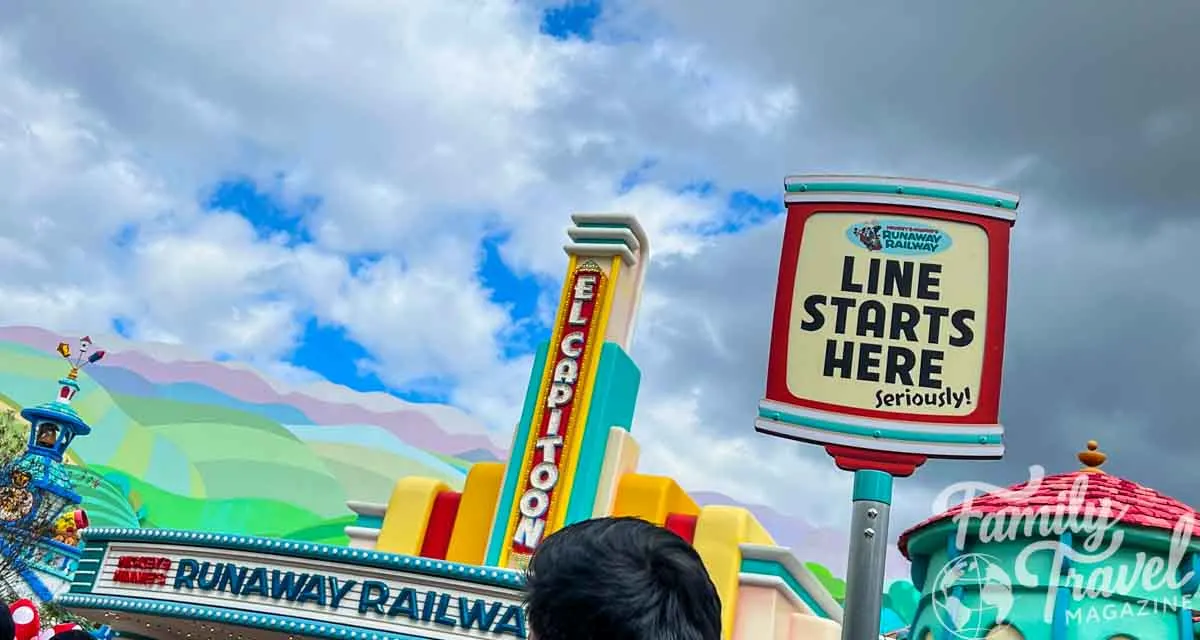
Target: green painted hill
156, 460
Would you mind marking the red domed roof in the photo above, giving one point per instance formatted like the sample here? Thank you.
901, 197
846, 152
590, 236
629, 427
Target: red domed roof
1128, 502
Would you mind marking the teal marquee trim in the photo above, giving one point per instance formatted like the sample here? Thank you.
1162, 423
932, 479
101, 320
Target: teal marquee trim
902, 188
758, 567
512, 475
314, 551
281, 624
614, 397
880, 433
87, 569
83, 582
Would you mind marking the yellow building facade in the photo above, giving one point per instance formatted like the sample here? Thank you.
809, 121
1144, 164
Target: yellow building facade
574, 457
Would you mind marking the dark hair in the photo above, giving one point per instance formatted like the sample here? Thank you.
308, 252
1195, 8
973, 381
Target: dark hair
620, 579
8, 628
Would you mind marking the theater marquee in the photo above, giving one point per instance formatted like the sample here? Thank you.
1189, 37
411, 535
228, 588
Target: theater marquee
350, 588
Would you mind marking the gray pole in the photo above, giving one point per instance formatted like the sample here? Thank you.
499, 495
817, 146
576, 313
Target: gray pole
868, 555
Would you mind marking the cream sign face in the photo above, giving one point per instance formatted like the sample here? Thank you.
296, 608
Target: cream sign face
889, 313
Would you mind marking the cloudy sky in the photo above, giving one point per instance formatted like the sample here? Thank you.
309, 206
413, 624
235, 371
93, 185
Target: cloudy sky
375, 192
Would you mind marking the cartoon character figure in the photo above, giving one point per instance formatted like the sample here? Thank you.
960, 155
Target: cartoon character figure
16, 501
67, 527
47, 434
868, 234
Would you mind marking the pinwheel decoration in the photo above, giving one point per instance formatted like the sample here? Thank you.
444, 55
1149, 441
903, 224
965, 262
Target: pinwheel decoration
82, 358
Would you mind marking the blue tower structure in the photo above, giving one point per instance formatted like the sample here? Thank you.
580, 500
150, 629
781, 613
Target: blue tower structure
35, 491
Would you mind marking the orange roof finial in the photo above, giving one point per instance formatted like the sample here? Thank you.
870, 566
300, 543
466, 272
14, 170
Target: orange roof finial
1092, 458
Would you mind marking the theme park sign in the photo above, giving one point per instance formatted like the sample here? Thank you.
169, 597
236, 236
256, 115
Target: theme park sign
334, 592
889, 319
559, 400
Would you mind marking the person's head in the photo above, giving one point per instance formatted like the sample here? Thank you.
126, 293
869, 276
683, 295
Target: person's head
620, 579
8, 629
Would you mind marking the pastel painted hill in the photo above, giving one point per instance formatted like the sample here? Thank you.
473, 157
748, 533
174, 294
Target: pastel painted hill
182, 442
185, 443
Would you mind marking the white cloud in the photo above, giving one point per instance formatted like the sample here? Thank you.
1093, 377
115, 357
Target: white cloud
422, 320
422, 126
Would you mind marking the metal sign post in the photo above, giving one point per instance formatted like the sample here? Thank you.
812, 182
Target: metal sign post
887, 342
868, 554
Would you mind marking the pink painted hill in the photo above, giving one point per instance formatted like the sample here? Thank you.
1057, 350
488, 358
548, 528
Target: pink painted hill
433, 427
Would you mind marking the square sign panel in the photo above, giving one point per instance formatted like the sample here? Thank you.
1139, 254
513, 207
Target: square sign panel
889, 317
897, 324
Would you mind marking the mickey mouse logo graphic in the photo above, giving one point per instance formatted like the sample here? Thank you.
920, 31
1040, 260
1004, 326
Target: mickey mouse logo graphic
868, 234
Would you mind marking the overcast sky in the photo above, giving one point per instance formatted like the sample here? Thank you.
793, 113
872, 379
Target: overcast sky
396, 137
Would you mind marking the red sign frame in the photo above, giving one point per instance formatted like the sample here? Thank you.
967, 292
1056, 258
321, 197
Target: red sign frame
987, 408
896, 442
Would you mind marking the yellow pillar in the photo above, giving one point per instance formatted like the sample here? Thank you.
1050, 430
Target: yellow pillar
408, 509
476, 509
651, 498
720, 530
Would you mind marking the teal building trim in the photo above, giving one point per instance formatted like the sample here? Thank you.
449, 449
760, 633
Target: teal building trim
368, 522
953, 552
1190, 576
614, 397
1061, 603
512, 475
761, 567
1062, 599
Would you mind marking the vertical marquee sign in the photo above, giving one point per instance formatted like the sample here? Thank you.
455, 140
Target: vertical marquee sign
887, 340
555, 420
